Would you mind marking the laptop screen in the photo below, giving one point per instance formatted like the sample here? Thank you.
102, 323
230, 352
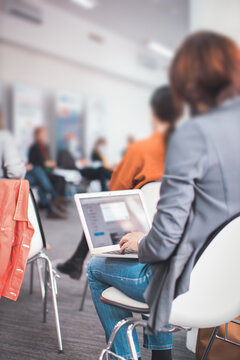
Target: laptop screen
110, 218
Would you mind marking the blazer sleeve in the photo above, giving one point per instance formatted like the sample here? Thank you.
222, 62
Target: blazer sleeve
186, 162
125, 173
13, 165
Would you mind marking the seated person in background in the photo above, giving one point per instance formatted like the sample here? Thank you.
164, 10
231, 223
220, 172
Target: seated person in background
12, 166
200, 191
48, 197
98, 152
39, 155
130, 141
70, 159
142, 163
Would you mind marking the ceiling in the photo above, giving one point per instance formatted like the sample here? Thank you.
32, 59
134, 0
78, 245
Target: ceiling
138, 20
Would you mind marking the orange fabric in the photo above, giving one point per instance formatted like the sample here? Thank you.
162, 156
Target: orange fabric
220, 350
15, 235
142, 163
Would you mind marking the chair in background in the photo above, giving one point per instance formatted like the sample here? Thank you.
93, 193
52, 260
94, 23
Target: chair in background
37, 256
151, 195
213, 298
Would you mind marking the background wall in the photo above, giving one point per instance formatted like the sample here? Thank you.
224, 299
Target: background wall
218, 15
48, 59
126, 103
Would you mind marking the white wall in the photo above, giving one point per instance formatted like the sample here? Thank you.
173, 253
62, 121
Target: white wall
66, 35
56, 55
218, 15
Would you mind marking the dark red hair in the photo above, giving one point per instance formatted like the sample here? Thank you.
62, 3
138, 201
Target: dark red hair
205, 70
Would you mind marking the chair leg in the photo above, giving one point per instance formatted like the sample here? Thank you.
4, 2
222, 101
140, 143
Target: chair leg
52, 278
31, 277
84, 295
131, 343
209, 346
107, 351
40, 275
45, 294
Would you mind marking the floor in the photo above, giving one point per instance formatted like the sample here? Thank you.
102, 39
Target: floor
23, 336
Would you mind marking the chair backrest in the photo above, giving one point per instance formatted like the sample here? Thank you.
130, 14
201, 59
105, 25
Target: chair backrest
38, 240
151, 195
214, 294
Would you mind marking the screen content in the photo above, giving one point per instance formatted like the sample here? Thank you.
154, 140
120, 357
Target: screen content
108, 219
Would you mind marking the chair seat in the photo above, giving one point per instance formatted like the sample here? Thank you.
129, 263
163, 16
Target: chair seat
115, 297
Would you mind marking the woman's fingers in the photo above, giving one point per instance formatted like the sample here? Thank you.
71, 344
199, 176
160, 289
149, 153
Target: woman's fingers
123, 240
124, 246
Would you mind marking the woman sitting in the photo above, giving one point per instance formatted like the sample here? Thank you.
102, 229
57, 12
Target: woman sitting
200, 190
143, 162
51, 187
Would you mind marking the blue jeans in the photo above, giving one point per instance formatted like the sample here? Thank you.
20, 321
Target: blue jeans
132, 278
38, 177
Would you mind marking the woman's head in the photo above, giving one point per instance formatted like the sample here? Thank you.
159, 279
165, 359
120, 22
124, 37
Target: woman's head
100, 143
205, 71
40, 135
165, 113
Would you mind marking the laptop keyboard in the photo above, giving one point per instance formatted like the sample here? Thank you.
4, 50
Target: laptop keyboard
118, 252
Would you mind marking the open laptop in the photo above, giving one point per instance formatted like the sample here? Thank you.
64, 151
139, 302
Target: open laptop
107, 216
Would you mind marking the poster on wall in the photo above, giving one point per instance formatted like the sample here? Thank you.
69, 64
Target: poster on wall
70, 123
96, 126
27, 115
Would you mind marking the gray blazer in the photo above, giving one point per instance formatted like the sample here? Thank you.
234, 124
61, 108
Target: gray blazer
202, 179
11, 164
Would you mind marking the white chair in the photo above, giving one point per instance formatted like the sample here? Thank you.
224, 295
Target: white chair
213, 298
151, 195
37, 256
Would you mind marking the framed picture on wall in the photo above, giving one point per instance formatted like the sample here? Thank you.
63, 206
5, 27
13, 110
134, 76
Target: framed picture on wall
70, 123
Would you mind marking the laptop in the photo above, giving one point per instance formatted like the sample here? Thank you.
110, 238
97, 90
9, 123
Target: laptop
107, 216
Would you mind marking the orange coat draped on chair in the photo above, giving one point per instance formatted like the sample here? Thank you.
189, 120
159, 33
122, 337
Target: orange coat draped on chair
15, 235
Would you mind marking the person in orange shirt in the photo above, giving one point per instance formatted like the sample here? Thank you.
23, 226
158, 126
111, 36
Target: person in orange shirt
143, 162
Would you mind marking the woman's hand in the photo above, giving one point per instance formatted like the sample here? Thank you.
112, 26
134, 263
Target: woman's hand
131, 241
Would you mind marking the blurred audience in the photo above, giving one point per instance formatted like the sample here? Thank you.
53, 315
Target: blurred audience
99, 152
130, 141
12, 166
142, 163
98, 169
39, 155
51, 187
48, 197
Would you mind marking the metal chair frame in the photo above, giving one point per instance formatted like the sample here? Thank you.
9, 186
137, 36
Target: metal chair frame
216, 336
47, 278
134, 323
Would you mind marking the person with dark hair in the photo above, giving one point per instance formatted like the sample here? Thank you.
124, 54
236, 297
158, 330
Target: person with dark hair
39, 155
200, 187
142, 163
144, 160
97, 169
51, 187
